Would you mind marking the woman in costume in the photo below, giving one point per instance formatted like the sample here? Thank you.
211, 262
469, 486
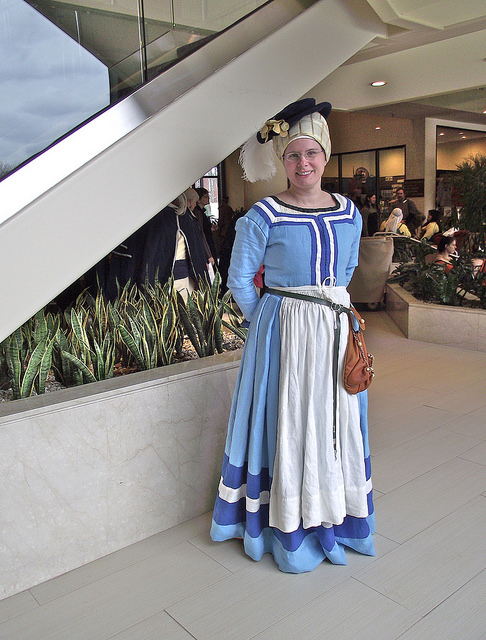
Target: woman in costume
296, 478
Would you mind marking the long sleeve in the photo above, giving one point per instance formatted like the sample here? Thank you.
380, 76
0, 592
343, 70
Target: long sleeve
246, 258
354, 254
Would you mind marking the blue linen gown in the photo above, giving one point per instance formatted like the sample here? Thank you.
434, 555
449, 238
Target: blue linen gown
287, 487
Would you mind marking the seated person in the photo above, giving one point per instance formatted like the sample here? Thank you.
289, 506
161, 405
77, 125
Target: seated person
445, 248
431, 226
394, 223
479, 270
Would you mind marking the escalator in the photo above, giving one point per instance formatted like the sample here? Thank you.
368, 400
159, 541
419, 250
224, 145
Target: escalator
173, 109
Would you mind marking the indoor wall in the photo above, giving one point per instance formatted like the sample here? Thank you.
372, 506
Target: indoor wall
450, 154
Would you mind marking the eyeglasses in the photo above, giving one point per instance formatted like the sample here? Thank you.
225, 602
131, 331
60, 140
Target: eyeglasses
294, 156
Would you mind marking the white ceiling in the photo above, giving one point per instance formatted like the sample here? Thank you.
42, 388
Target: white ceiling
433, 59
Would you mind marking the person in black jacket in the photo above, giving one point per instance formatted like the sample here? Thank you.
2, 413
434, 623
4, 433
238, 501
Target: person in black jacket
174, 244
205, 223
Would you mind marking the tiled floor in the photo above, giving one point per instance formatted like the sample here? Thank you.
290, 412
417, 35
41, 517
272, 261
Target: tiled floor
428, 580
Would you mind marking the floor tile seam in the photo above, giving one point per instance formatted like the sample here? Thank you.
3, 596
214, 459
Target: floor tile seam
458, 414
428, 433
453, 415
429, 526
399, 445
100, 578
378, 556
152, 615
88, 584
210, 557
30, 591
376, 454
445, 462
305, 604
22, 613
420, 475
459, 433
180, 624
323, 590
439, 604
471, 461
105, 575
388, 597
201, 589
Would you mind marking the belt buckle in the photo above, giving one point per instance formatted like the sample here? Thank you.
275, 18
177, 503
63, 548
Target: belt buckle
338, 308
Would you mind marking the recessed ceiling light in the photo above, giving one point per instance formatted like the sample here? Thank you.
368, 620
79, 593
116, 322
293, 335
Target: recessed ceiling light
378, 83
442, 134
377, 128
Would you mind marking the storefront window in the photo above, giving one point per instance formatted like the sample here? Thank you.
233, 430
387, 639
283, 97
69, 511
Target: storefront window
454, 145
358, 174
392, 173
212, 182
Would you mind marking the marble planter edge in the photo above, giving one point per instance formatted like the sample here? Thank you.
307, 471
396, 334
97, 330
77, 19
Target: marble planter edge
438, 324
90, 470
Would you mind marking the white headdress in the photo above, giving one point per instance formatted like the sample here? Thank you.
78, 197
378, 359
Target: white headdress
394, 220
301, 119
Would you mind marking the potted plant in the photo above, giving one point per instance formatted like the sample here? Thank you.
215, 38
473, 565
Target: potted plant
470, 187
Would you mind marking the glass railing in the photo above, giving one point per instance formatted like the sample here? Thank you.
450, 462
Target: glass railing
64, 62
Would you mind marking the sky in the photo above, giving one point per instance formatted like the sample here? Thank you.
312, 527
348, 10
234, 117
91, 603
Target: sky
48, 83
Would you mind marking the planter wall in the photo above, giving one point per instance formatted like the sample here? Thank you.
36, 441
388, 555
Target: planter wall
440, 324
89, 470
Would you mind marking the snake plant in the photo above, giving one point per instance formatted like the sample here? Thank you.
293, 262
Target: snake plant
28, 354
142, 328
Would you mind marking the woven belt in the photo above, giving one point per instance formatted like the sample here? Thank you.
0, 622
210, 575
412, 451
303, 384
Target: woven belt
338, 309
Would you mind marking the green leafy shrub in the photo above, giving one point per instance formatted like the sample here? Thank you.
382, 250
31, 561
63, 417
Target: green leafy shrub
27, 353
470, 185
460, 286
142, 329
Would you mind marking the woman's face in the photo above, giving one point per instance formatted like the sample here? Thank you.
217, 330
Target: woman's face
373, 199
451, 247
304, 172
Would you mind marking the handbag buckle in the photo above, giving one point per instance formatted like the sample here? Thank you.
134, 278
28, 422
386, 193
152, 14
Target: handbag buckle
338, 308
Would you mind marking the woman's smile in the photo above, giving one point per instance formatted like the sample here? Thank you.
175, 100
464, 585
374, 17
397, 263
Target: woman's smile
304, 162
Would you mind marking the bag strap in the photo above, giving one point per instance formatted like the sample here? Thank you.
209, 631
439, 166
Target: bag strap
361, 321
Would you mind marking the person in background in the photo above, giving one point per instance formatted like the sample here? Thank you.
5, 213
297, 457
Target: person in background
369, 213
174, 245
356, 197
394, 223
226, 214
445, 248
411, 215
296, 478
205, 223
431, 226
226, 249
